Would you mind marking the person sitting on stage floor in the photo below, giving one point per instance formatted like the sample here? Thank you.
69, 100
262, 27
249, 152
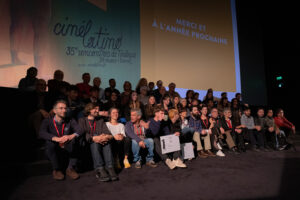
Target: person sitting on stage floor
259, 121
237, 132
186, 131
158, 127
136, 130
194, 122
256, 138
271, 130
175, 128
60, 134
99, 138
220, 132
121, 144
207, 125
283, 124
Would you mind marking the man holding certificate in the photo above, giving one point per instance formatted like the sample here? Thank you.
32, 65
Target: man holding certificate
160, 128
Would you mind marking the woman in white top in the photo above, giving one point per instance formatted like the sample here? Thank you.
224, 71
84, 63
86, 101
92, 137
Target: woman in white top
121, 143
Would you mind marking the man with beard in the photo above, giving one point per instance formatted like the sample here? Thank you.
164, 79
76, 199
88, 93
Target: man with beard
99, 137
195, 123
60, 134
220, 132
228, 127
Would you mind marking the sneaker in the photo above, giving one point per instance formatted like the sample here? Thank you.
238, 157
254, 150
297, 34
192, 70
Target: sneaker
220, 154
102, 175
219, 146
112, 174
138, 165
72, 173
210, 153
201, 154
58, 175
126, 164
282, 148
178, 163
151, 163
170, 164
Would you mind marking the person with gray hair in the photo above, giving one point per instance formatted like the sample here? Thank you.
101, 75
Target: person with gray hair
136, 129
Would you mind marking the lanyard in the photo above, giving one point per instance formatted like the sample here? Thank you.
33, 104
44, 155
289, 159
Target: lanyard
229, 123
136, 130
92, 127
62, 130
205, 123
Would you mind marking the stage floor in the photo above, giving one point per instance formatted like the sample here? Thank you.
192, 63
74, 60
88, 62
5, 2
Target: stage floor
250, 175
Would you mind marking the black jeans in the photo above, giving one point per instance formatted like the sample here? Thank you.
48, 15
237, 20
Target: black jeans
173, 155
239, 139
256, 138
60, 156
270, 139
121, 148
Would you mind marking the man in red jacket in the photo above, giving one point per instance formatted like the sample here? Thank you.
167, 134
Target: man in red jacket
283, 124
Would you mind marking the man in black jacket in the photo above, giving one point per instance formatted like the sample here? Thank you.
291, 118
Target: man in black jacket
227, 126
60, 134
99, 137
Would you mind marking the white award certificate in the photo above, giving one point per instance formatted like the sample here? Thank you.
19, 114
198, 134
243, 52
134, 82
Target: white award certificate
169, 143
187, 150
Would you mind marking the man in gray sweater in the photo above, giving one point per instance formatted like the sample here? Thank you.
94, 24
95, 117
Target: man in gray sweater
253, 131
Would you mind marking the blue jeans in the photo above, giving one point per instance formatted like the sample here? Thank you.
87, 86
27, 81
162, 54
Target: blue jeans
136, 149
102, 155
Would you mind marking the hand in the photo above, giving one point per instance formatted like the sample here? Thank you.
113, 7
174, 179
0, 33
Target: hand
103, 113
271, 129
294, 130
142, 144
144, 124
209, 131
222, 130
238, 130
71, 137
177, 133
118, 136
203, 132
258, 128
100, 139
60, 140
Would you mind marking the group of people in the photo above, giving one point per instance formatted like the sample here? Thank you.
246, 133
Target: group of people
124, 129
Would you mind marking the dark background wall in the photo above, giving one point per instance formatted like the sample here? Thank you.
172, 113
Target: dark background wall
269, 47
252, 68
